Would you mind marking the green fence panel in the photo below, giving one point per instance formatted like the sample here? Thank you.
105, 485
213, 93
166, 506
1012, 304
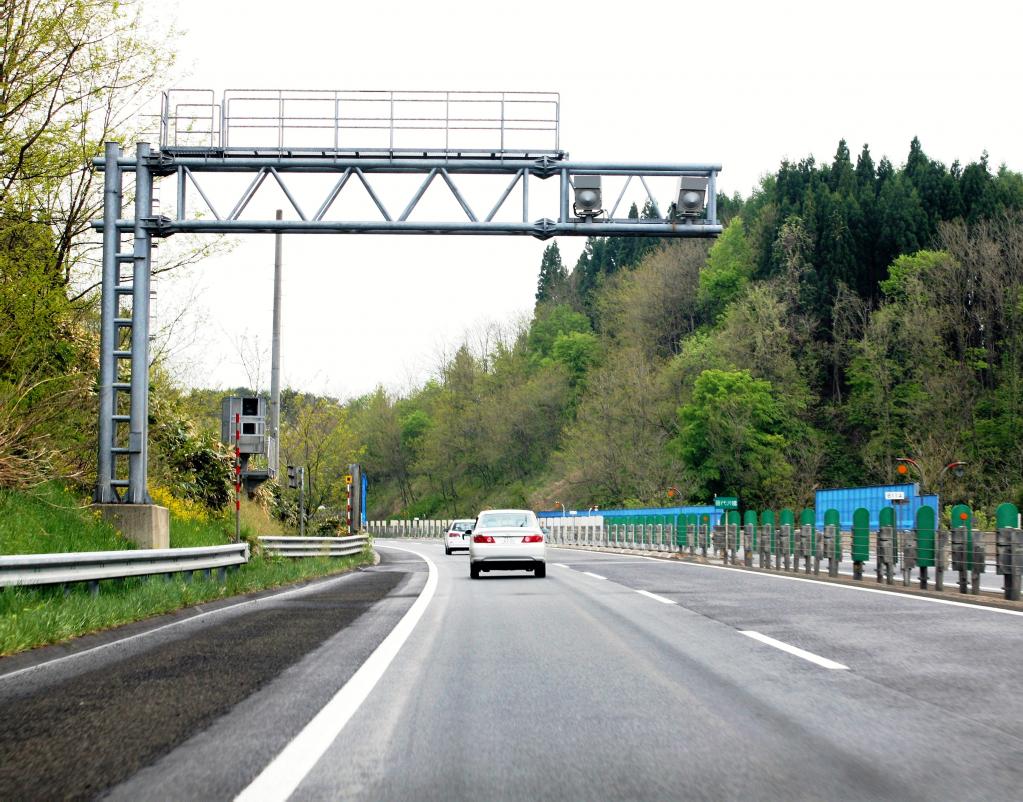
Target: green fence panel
962, 517
861, 535
1006, 516
926, 520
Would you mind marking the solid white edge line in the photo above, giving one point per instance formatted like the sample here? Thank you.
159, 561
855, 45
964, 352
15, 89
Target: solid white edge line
286, 771
560, 565
595, 576
655, 597
823, 662
817, 582
190, 620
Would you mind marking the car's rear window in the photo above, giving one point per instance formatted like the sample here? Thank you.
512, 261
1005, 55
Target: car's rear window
461, 526
505, 519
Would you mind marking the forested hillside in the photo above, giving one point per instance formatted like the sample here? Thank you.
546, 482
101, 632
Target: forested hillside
851, 313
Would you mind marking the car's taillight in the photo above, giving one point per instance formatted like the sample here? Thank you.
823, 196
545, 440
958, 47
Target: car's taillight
533, 539
482, 539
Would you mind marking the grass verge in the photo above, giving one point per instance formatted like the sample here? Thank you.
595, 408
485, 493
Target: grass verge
53, 520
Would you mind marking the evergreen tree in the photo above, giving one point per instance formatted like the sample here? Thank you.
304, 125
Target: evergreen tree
552, 284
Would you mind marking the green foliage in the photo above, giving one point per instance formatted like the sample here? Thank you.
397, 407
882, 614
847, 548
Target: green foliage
578, 351
51, 519
908, 270
194, 465
316, 432
551, 323
731, 435
552, 284
729, 267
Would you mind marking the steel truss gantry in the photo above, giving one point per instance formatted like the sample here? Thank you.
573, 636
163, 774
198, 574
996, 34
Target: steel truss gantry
124, 339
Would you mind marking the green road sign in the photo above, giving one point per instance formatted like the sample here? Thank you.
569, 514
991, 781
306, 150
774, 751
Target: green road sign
726, 502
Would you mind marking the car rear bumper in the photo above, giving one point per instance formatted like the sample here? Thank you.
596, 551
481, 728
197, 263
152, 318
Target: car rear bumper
497, 564
488, 553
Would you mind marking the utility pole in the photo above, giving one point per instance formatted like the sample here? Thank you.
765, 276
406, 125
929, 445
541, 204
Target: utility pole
275, 358
301, 501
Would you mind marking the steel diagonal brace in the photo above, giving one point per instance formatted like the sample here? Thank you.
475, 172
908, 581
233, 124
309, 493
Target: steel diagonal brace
247, 195
419, 194
372, 194
188, 173
458, 196
650, 197
287, 192
504, 197
332, 195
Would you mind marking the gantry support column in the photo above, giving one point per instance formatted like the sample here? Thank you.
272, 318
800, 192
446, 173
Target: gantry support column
105, 472
138, 427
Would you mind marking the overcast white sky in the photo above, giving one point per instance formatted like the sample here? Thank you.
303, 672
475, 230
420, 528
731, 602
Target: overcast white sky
743, 84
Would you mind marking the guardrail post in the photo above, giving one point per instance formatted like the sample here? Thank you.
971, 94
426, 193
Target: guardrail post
1009, 559
941, 543
747, 545
1009, 549
833, 548
885, 554
786, 537
909, 555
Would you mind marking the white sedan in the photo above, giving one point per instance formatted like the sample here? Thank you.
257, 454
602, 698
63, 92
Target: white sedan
507, 540
456, 537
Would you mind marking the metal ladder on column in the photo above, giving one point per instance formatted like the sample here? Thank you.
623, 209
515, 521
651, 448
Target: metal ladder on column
124, 340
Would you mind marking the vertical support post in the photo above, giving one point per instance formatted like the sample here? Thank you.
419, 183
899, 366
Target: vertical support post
138, 425
563, 218
275, 356
525, 195
108, 312
237, 477
712, 198
301, 501
179, 211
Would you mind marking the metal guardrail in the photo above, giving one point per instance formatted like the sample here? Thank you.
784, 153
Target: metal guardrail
804, 550
285, 546
93, 566
416, 528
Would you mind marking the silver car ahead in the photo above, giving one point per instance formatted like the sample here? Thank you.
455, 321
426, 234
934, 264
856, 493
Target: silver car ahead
456, 537
507, 540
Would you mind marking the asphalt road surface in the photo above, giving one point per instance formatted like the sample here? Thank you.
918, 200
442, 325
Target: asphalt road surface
616, 677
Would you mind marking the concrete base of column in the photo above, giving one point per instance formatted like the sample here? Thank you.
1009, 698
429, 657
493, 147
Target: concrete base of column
147, 525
